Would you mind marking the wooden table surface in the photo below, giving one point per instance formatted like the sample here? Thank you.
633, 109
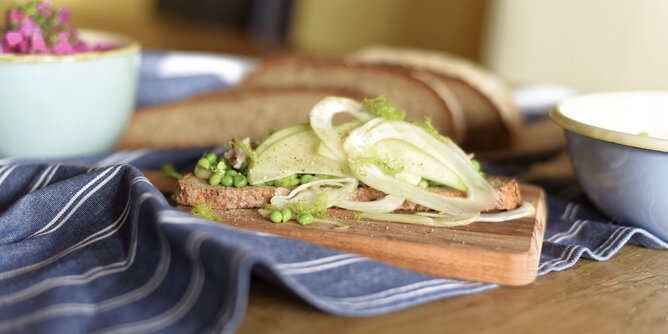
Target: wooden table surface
626, 294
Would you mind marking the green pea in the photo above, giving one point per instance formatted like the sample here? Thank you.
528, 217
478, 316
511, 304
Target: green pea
227, 181
216, 179
204, 163
294, 176
293, 182
305, 219
231, 172
202, 173
276, 217
286, 214
423, 184
240, 181
211, 157
221, 166
306, 178
269, 183
284, 182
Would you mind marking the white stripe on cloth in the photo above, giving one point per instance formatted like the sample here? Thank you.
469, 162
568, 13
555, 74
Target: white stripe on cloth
97, 236
70, 309
292, 265
45, 172
5, 171
323, 267
53, 173
392, 291
98, 185
178, 310
377, 302
91, 274
572, 232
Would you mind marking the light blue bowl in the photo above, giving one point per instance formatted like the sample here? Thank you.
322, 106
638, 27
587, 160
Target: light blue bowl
55, 106
624, 173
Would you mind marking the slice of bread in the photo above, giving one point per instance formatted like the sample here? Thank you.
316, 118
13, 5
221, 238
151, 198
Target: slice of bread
190, 191
491, 117
216, 118
413, 93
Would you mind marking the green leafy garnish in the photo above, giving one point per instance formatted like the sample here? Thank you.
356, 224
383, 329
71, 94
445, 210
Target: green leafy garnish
246, 148
431, 129
317, 207
169, 171
358, 215
382, 107
206, 211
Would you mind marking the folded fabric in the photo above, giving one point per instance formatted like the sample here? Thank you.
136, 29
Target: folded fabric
97, 248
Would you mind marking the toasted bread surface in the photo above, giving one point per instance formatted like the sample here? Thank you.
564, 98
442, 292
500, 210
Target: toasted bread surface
190, 191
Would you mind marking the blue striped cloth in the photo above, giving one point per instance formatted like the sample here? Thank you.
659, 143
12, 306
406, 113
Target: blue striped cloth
89, 245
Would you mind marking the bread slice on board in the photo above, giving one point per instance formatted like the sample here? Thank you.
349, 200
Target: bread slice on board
491, 117
190, 191
413, 93
216, 118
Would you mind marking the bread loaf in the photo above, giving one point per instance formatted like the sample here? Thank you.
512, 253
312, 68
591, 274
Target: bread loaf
420, 95
491, 118
216, 118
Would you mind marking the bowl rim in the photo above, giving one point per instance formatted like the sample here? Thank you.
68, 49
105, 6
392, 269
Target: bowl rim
617, 137
129, 46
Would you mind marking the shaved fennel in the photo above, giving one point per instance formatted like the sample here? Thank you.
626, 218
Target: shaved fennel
381, 151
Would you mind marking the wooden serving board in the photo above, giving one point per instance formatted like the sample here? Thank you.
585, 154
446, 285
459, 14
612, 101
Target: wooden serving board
505, 253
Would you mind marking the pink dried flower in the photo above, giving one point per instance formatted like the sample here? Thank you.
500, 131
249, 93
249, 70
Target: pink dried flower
38, 44
62, 46
29, 27
13, 39
44, 9
14, 15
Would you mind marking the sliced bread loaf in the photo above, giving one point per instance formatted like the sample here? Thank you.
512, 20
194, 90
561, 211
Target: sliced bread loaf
491, 117
216, 118
406, 90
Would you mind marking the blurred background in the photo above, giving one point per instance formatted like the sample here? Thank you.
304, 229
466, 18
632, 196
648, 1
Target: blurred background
594, 45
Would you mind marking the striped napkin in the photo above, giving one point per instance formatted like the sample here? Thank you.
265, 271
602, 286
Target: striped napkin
89, 245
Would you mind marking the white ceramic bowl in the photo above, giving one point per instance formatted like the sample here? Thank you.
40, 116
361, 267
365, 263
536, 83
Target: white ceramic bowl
69, 105
623, 171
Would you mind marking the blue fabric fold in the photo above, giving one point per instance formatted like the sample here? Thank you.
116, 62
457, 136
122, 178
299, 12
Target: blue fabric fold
89, 245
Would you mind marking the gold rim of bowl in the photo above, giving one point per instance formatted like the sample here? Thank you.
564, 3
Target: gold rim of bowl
617, 137
127, 46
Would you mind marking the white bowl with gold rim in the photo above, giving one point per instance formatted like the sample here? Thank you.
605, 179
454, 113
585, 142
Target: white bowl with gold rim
68, 105
618, 146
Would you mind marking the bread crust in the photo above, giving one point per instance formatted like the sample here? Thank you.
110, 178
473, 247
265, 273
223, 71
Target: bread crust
190, 191
298, 71
496, 125
215, 118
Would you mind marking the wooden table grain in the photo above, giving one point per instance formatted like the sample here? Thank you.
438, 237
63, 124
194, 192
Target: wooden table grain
626, 294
